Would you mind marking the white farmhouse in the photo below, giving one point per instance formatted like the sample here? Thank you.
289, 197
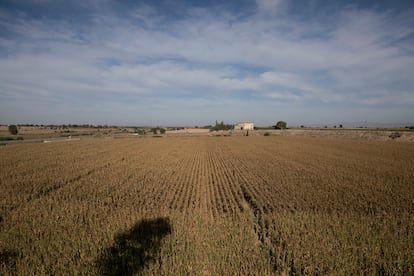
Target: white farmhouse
244, 126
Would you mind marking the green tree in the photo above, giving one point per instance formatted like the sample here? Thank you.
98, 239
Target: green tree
13, 129
162, 130
221, 126
140, 131
280, 125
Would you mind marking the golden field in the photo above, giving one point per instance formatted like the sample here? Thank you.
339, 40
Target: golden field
207, 206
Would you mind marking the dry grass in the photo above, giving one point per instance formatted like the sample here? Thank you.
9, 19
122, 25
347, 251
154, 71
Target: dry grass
207, 205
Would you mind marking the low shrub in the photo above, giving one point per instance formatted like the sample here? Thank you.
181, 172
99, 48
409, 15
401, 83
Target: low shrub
395, 135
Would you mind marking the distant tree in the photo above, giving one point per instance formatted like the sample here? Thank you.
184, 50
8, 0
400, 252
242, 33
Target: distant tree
162, 130
13, 129
340, 126
140, 131
154, 130
280, 125
221, 126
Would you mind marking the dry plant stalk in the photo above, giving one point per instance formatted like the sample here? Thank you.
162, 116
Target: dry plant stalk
207, 205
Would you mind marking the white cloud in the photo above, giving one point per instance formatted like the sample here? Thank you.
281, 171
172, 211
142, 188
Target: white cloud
359, 58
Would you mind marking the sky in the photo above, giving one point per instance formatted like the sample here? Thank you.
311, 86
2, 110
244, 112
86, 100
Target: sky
187, 63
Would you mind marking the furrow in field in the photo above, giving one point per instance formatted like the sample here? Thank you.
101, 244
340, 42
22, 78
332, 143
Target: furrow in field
214, 201
167, 185
177, 185
231, 174
275, 176
198, 182
249, 183
174, 190
205, 195
194, 183
210, 186
220, 204
191, 184
174, 179
219, 184
261, 182
229, 184
186, 182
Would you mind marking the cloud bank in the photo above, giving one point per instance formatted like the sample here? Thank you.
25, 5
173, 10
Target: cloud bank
106, 62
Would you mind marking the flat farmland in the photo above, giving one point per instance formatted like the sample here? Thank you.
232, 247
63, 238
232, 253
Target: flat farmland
207, 205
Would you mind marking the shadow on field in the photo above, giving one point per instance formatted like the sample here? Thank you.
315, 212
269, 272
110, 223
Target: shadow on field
134, 249
8, 259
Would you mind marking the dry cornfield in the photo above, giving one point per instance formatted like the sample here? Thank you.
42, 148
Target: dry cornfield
207, 205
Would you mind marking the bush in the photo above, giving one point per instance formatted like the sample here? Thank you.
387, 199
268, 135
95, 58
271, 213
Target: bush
157, 130
13, 129
140, 131
395, 135
266, 134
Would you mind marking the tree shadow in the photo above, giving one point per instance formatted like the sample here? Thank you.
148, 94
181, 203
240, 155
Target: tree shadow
8, 259
134, 249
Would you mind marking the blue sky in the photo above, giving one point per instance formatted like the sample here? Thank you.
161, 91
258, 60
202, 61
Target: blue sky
194, 62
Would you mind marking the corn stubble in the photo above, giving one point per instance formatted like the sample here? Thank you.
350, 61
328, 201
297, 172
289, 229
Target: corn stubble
207, 205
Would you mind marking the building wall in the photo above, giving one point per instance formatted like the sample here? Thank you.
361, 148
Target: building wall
244, 126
